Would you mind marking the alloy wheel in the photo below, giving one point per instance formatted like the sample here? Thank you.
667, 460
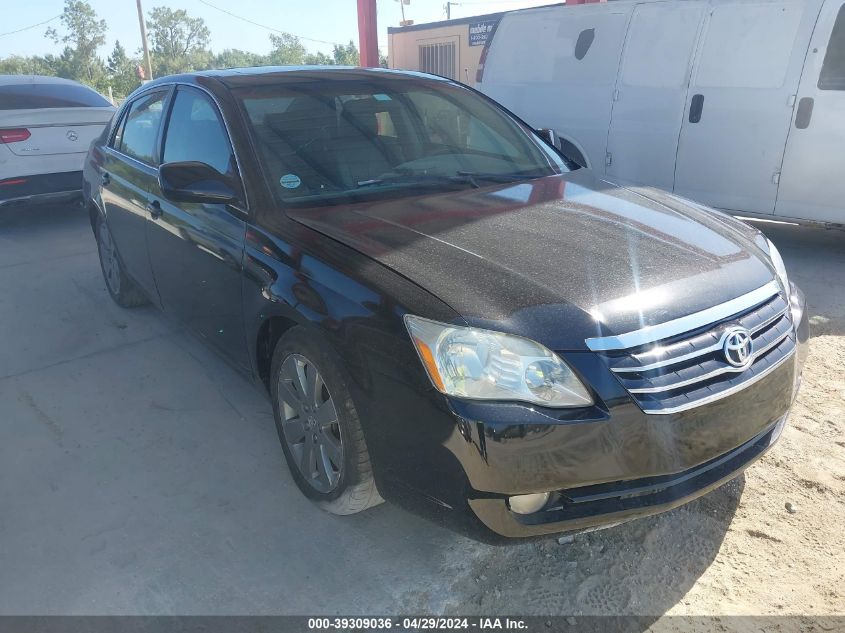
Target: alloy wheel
309, 423
108, 258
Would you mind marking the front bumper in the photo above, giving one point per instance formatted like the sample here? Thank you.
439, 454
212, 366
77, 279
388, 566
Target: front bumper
658, 465
604, 505
602, 465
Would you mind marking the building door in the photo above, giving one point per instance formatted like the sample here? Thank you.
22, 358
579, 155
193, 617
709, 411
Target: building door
648, 103
811, 185
740, 102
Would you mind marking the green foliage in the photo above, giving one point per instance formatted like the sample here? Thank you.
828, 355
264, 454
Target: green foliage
287, 50
346, 55
235, 58
122, 71
17, 65
83, 35
178, 42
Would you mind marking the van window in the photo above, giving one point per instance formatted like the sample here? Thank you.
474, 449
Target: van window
832, 76
748, 45
659, 45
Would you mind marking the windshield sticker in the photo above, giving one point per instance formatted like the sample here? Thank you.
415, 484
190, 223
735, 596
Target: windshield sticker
381, 97
290, 181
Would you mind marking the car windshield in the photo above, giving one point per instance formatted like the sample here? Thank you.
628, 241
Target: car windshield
324, 141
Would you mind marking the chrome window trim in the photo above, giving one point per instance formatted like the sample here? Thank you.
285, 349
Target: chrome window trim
685, 357
722, 394
690, 322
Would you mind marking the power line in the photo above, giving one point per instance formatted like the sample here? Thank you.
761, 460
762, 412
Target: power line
264, 26
32, 26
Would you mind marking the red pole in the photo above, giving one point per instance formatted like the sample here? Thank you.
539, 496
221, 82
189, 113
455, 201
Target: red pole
368, 33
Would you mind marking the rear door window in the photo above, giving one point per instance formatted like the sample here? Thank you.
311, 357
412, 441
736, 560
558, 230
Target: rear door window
34, 96
139, 130
832, 76
195, 132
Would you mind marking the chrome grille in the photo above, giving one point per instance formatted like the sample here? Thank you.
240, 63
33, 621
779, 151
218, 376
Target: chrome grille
690, 369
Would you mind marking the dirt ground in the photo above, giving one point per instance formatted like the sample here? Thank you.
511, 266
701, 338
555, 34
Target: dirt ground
140, 475
737, 551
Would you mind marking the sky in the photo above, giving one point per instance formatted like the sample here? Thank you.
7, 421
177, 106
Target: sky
319, 23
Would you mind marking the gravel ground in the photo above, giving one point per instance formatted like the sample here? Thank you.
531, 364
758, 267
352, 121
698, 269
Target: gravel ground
140, 475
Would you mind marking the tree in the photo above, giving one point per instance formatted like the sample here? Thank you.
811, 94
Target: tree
346, 55
122, 71
235, 58
179, 42
287, 50
318, 59
18, 65
84, 34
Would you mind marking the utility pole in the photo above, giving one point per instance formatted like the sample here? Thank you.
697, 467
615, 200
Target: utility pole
449, 9
367, 33
144, 40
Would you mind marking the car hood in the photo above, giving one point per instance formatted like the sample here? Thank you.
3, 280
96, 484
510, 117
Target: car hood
560, 258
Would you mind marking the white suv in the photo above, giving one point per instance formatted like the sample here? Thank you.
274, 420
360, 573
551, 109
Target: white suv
46, 126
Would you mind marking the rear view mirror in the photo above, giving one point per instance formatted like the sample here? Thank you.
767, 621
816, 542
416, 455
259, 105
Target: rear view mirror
196, 182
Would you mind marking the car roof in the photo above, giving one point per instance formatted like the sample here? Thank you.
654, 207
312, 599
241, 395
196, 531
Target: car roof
234, 77
11, 80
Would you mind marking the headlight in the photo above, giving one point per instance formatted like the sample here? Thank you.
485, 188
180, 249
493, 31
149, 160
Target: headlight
485, 365
780, 267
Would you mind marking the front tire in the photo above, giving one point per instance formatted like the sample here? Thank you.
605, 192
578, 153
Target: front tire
122, 288
318, 426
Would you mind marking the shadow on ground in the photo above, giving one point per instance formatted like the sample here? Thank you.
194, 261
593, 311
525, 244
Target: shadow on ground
139, 474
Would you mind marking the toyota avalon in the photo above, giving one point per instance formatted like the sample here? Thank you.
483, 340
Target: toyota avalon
444, 311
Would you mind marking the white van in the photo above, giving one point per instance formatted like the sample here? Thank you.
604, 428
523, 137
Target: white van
738, 104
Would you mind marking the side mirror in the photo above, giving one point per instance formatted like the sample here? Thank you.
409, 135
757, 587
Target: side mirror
196, 182
550, 136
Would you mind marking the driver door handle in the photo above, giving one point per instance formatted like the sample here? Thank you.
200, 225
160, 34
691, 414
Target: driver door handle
154, 208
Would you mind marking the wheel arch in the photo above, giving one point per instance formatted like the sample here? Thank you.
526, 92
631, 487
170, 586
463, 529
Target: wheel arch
271, 329
574, 150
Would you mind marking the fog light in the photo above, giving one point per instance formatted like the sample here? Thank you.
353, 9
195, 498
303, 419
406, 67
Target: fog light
528, 504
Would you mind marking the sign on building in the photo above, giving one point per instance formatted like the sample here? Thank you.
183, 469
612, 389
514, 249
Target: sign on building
480, 31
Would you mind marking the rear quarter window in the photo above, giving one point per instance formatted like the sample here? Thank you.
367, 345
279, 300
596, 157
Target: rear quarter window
32, 96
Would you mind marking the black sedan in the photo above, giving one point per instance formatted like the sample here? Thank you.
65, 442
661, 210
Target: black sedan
443, 309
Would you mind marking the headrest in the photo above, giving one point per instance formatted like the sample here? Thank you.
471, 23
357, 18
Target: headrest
360, 115
301, 120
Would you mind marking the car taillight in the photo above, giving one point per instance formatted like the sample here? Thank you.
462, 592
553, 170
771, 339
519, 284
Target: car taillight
14, 135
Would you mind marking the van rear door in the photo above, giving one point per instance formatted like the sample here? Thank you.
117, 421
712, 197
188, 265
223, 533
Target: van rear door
811, 185
651, 91
740, 102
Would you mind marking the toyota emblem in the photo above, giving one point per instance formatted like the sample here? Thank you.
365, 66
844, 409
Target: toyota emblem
738, 346
71, 135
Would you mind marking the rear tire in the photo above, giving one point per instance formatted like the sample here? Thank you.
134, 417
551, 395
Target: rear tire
122, 288
318, 425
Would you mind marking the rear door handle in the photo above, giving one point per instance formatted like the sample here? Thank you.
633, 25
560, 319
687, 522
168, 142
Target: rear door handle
105, 179
805, 113
695, 108
154, 208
